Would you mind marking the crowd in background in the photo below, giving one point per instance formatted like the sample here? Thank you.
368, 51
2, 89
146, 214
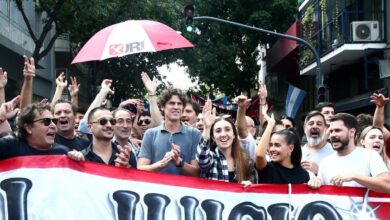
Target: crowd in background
177, 136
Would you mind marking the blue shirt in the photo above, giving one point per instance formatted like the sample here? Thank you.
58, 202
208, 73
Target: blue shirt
158, 141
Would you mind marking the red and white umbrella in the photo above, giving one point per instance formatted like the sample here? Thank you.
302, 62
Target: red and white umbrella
129, 37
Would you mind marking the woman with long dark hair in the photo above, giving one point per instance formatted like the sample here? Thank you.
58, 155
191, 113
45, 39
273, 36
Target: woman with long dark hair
220, 156
285, 151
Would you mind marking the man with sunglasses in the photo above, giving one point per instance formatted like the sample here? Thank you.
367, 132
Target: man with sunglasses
37, 129
64, 111
102, 150
144, 122
170, 147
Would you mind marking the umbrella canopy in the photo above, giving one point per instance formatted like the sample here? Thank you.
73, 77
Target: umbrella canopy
129, 37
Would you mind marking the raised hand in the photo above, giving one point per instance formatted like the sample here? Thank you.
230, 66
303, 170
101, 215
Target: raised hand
29, 68
209, 114
73, 87
61, 81
242, 101
379, 99
8, 107
149, 84
106, 86
3, 78
262, 93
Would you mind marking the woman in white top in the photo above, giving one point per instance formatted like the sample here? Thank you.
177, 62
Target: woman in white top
372, 138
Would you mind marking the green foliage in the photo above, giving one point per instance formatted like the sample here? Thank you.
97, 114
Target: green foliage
224, 57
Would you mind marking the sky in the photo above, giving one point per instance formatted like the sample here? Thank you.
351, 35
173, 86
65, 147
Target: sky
177, 75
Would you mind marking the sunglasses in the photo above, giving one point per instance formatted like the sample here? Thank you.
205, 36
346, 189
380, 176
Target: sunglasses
103, 121
140, 122
47, 121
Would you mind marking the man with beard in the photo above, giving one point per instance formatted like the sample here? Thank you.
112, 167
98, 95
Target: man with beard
122, 132
66, 135
170, 147
351, 165
190, 112
102, 150
317, 147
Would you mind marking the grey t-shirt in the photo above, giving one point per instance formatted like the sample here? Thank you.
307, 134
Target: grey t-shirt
318, 155
158, 141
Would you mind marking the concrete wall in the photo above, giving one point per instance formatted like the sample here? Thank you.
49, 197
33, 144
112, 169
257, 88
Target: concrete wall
15, 42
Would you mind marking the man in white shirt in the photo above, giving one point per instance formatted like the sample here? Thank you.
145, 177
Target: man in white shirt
317, 146
349, 165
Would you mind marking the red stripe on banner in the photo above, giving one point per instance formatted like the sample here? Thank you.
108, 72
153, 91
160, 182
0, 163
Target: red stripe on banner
62, 161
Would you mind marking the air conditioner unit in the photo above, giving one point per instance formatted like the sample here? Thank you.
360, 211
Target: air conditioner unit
365, 31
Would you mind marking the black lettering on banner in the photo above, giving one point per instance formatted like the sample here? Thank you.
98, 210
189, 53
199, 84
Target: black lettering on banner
16, 190
189, 205
213, 209
127, 202
279, 211
319, 207
248, 208
156, 205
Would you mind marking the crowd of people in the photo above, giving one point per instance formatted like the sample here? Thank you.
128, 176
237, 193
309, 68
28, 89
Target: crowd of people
176, 136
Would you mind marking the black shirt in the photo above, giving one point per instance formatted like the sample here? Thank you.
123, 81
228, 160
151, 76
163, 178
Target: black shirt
277, 174
76, 143
13, 147
89, 155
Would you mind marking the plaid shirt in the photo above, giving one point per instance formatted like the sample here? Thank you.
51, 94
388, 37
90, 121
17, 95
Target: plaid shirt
213, 164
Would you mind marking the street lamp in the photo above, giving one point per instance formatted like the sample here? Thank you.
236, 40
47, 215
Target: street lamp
189, 11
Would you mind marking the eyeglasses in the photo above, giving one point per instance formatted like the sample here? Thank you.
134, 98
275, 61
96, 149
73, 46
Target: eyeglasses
47, 121
103, 121
140, 122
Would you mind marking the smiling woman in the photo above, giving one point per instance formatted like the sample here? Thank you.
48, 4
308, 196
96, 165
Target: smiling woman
220, 156
285, 150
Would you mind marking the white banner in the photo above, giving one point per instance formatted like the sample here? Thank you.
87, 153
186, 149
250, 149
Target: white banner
54, 187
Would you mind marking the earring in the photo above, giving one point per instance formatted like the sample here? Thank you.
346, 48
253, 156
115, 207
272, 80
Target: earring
289, 154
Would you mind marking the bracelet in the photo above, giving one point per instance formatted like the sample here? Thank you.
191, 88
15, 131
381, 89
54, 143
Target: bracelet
152, 94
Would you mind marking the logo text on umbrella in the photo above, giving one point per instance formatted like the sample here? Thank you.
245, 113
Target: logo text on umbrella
120, 49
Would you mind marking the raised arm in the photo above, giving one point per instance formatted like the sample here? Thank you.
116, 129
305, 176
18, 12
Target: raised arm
7, 109
150, 86
61, 84
261, 150
380, 102
241, 121
263, 93
205, 159
100, 97
3, 83
28, 74
74, 88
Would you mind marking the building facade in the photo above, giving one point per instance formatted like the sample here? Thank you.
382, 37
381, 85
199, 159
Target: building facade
352, 39
15, 42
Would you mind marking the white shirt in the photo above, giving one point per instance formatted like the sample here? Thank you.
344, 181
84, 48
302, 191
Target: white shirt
317, 156
361, 161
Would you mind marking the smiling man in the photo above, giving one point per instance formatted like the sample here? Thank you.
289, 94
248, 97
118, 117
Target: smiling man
351, 165
170, 147
66, 135
102, 150
37, 129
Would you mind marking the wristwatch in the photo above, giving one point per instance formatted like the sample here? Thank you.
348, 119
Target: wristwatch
181, 163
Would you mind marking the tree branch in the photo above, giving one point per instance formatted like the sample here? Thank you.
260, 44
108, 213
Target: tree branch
48, 47
19, 5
